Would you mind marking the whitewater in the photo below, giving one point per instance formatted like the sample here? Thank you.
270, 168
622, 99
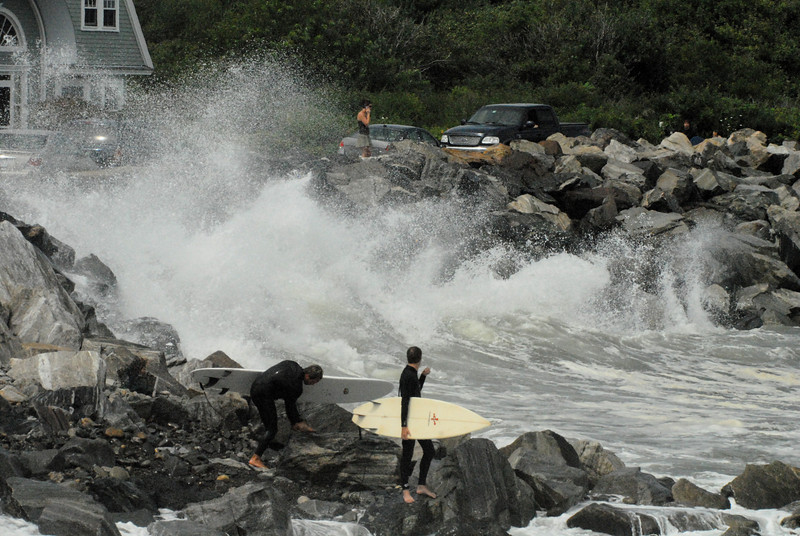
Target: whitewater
246, 260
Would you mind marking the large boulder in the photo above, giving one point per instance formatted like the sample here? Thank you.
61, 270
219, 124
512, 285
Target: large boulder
56, 509
608, 519
596, 460
688, 494
476, 484
255, 508
39, 309
61, 370
635, 486
135, 366
371, 462
765, 486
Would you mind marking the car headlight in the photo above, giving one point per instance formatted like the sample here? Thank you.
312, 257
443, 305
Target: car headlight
490, 140
445, 138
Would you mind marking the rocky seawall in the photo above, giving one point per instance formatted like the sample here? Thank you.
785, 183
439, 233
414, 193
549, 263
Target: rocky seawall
96, 429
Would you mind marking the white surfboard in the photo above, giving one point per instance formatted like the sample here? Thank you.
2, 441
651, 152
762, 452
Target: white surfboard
427, 418
330, 389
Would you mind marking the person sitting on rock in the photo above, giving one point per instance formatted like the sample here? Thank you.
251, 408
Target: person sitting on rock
284, 380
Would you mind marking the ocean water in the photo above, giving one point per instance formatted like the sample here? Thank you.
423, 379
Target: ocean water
611, 345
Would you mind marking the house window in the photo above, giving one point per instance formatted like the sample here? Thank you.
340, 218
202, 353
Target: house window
100, 14
10, 35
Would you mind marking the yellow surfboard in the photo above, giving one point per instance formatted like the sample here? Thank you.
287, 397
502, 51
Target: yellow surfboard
427, 418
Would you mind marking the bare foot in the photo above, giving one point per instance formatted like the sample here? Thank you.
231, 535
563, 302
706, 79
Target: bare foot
407, 496
423, 490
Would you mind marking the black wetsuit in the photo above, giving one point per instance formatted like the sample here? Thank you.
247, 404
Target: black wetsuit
411, 387
285, 381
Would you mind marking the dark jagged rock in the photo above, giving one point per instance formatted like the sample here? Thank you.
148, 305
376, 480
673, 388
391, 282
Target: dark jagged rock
341, 460
689, 494
250, 509
475, 483
635, 486
56, 509
765, 486
607, 519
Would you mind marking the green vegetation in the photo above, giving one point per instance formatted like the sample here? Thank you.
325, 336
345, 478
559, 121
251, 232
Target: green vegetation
640, 66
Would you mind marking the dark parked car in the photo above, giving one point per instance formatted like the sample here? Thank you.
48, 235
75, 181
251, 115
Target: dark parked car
99, 139
503, 123
383, 136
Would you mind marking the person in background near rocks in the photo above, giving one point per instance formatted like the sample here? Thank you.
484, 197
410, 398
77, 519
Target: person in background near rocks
284, 380
363, 140
690, 132
411, 387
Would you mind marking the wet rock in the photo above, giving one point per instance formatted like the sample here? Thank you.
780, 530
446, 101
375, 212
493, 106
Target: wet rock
596, 460
100, 279
39, 463
61, 370
765, 486
57, 509
475, 483
635, 486
642, 222
11, 466
608, 519
689, 494
315, 509
255, 508
143, 368
739, 526
88, 453
342, 460
181, 527
152, 333
228, 411
551, 467
38, 308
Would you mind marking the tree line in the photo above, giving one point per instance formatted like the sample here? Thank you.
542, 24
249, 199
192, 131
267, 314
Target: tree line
640, 66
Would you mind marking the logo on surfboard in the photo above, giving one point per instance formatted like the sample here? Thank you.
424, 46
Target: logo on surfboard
432, 418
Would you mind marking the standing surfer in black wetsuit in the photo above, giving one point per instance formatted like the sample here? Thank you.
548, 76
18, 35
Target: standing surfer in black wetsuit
284, 380
411, 387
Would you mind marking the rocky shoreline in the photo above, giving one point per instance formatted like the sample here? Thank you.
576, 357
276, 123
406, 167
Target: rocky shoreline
96, 429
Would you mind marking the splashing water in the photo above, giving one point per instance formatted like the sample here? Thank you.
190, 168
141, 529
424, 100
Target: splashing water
612, 344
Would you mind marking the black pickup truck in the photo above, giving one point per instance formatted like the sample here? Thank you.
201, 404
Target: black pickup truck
503, 123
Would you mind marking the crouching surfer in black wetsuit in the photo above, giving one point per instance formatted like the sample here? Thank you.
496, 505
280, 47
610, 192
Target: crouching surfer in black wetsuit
411, 386
284, 380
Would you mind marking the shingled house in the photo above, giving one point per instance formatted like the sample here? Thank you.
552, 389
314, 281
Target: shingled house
81, 49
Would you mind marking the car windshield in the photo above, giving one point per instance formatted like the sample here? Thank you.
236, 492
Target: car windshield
22, 142
93, 133
496, 115
385, 133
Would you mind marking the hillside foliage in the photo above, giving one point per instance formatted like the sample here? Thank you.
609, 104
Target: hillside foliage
641, 66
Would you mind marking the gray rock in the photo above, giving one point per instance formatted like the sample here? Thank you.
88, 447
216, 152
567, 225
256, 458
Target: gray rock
343, 460
475, 483
689, 494
641, 222
596, 460
152, 333
39, 308
76, 518
61, 370
57, 509
765, 486
607, 519
634, 486
181, 527
255, 508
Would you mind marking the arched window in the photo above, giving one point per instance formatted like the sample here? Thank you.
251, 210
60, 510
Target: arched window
9, 36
